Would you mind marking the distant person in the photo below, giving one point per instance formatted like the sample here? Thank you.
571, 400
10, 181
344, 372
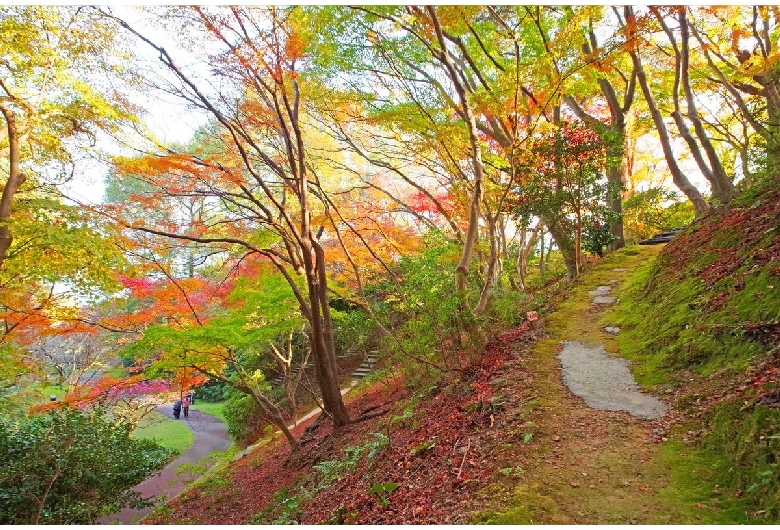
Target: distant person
192, 397
177, 409
186, 405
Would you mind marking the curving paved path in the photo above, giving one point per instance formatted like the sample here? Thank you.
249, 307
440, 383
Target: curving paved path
210, 435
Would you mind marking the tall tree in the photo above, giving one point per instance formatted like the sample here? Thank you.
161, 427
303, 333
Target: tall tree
739, 44
604, 66
634, 40
266, 184
50, 96
723, 189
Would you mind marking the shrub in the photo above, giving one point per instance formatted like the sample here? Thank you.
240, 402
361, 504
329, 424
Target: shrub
71, 467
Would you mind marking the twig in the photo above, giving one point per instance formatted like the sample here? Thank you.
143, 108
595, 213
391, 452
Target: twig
464, 459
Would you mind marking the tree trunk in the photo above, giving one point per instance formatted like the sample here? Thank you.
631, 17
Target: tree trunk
492, 266
678, 177
615, 186
578, 242
565, 243
15, 179
275, 415
521, 266
723, 189
472, 233
332, 389
773, 138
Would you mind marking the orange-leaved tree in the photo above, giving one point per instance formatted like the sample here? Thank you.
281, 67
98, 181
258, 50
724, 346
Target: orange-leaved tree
261, 180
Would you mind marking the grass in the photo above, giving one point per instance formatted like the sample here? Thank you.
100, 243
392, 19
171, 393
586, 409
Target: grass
116, 371
51, 390
168, 432
215, 409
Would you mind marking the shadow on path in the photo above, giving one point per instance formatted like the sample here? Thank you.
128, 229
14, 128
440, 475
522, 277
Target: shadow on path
210, 435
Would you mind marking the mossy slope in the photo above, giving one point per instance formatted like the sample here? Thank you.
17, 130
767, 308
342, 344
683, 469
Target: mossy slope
704, 319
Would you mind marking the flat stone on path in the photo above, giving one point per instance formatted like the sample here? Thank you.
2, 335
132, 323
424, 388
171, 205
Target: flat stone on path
601, 290
619, 270
604, 382
604, 300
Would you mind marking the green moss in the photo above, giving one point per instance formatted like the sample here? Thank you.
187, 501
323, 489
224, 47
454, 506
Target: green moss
695, 491
526, 505
749, 438
670, 321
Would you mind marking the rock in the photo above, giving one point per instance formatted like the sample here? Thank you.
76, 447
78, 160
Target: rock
604, 300
614, 330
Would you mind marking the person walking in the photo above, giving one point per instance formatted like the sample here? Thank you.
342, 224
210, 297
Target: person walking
177, 409
186, 405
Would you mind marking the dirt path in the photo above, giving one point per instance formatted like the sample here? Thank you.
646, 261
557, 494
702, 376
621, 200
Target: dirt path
210, 435
584, 465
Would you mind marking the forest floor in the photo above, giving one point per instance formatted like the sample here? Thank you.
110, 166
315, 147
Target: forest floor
504, 442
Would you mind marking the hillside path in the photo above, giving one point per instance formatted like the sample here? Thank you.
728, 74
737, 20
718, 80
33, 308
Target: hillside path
596, 447
210, 435
605, 382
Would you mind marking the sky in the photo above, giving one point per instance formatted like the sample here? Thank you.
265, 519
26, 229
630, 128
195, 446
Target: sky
166, 117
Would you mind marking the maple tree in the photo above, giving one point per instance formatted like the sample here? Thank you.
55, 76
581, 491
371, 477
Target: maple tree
48, 95
618, 91
565, 173
267, 144
739, 46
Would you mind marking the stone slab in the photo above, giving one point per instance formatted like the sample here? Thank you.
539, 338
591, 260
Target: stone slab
604, 300
605, 382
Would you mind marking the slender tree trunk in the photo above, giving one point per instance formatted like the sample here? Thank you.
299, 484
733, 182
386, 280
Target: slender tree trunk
773, 138
578, 242
275, 415
472, 233
723, 187
678, 177
521, 266
15, 179
492, 266
565, 243
615, 186
338, 410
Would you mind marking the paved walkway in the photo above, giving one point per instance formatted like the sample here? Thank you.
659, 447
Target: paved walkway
605, 382
210, 435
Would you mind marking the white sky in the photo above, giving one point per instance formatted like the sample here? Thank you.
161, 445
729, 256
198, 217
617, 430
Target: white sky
166, 117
